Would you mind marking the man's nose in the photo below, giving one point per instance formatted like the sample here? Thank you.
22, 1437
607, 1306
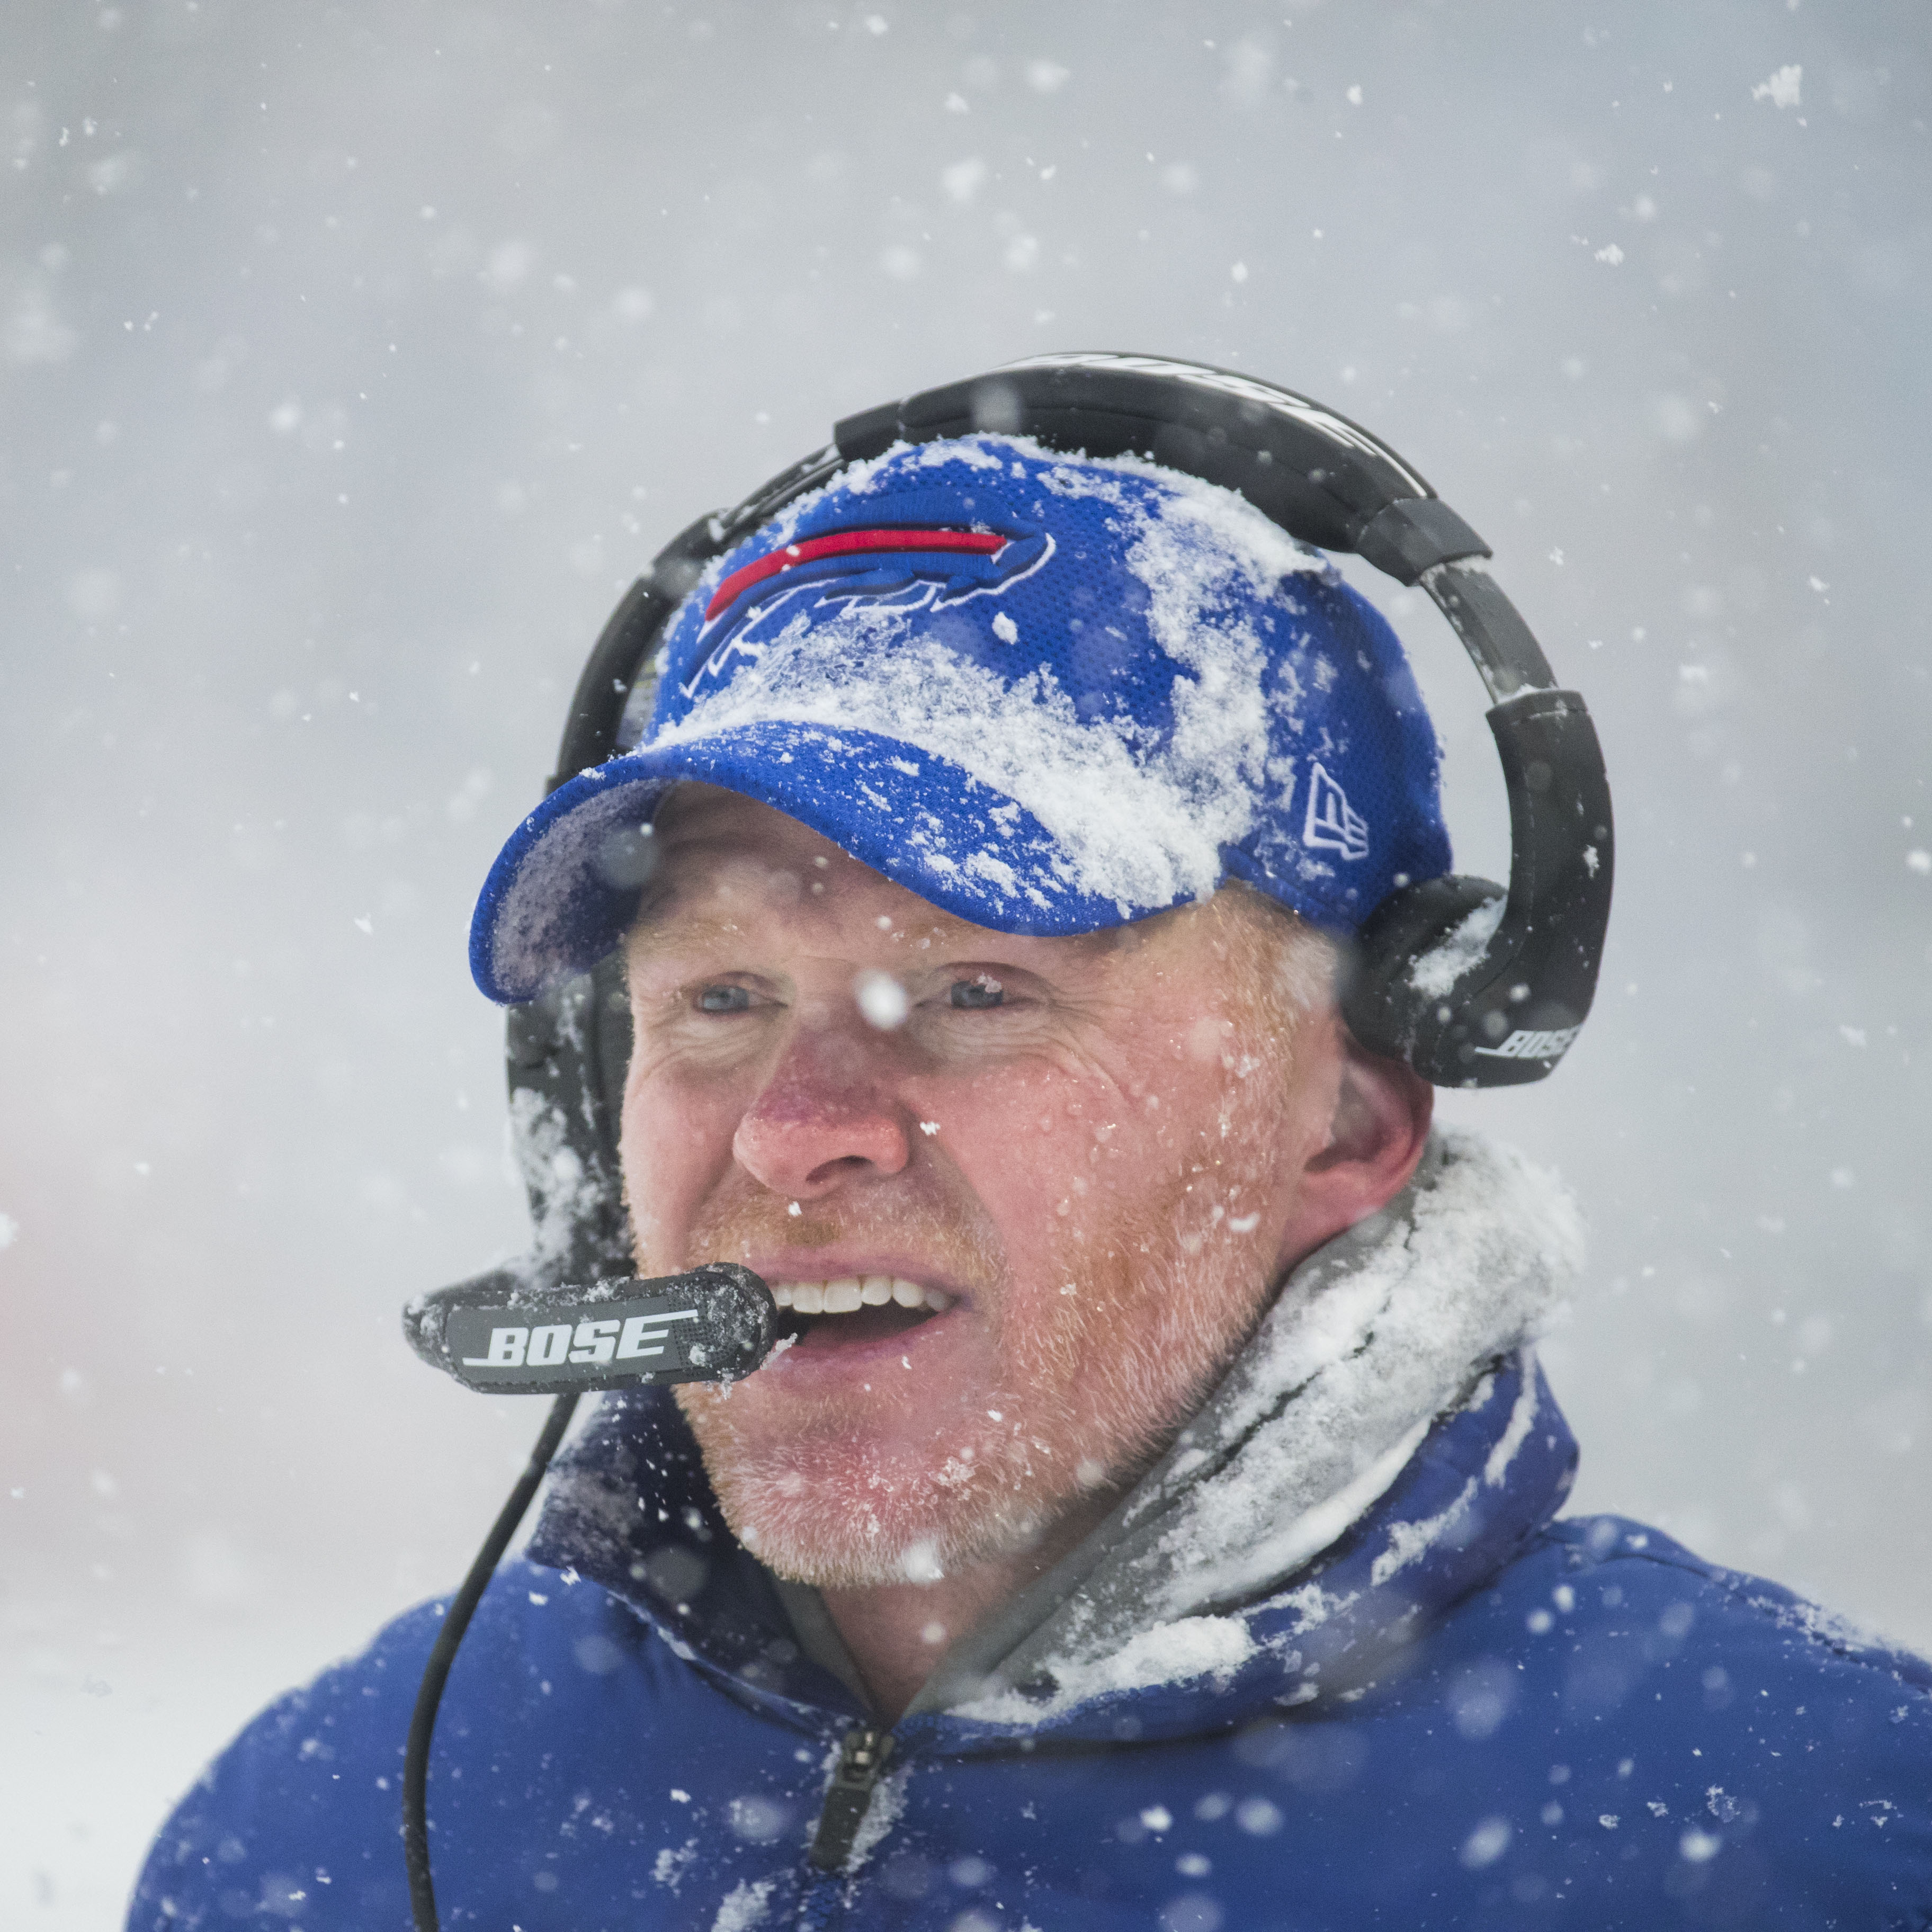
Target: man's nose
826, 1115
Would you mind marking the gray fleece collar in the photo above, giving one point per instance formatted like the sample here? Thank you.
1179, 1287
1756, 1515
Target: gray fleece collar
1373, 1335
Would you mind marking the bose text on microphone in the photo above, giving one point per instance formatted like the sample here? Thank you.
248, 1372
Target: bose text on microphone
713, 1324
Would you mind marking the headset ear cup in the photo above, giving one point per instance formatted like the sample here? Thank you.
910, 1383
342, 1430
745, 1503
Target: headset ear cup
563, 1125
1387, 1010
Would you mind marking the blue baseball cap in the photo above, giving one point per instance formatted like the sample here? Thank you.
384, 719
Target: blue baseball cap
1048, 694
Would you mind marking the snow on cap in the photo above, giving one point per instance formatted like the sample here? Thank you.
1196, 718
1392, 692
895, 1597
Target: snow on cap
1047, 694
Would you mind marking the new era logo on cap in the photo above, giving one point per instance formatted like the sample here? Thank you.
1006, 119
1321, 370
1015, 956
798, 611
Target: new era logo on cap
910, 568
1333, 824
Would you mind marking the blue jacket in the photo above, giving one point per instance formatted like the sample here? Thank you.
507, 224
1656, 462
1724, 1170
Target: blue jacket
1527, 1723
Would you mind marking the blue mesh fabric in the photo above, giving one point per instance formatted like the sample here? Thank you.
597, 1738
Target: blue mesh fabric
1048, 695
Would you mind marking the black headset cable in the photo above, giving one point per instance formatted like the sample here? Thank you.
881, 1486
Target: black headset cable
436, 1672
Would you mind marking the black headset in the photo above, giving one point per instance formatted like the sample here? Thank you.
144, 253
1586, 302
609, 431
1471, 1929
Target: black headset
1435, 978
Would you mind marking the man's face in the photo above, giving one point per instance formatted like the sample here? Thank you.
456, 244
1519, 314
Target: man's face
1088, 1148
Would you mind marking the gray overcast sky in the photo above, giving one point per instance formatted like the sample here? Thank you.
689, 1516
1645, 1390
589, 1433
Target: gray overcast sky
355, 357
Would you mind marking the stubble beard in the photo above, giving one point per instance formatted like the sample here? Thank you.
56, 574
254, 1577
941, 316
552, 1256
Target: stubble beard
1092, 1388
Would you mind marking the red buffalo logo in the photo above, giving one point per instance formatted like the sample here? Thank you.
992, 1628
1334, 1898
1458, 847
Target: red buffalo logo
909, 569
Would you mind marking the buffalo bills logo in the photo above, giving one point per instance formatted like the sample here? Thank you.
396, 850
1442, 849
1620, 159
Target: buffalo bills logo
905, 569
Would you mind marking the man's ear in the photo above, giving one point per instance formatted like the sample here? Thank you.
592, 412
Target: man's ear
1376, 1133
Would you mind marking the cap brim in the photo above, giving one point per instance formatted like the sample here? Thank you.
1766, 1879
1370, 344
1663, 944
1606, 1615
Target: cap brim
564, 888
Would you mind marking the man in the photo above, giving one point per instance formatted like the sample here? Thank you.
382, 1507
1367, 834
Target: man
1150, 1523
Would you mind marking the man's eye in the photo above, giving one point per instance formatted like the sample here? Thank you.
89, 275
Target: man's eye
975, 995
724, 1000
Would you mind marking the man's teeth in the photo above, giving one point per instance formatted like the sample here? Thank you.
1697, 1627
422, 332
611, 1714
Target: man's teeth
849, 1292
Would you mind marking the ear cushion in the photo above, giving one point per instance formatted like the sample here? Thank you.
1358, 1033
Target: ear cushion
1395, 1004
566, 1055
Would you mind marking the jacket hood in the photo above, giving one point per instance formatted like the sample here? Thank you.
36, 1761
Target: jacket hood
1382, 1447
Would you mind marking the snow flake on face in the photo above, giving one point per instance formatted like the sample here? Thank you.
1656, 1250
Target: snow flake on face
882, 999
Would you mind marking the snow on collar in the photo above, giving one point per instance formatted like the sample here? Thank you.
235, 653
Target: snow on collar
1385, 1331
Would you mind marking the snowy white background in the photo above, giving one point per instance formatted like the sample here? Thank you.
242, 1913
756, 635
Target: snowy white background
355, 357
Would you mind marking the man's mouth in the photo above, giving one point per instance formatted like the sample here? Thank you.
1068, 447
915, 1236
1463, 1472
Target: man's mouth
847, 1309
846, 1295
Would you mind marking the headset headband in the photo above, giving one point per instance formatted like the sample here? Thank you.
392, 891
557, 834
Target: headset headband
1469, 985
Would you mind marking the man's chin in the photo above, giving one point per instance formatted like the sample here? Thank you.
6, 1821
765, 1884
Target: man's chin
863, 1530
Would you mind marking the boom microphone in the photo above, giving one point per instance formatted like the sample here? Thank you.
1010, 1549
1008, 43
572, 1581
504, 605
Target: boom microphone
497, 1334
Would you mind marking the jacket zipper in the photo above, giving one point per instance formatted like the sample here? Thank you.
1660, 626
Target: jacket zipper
861, 1760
